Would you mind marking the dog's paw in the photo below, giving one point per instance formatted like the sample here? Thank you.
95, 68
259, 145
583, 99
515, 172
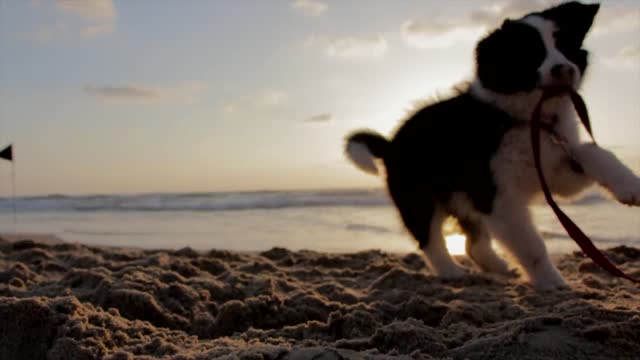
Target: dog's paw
488, 261
627, 192
499, 267
452, 271
552, 286
551, 281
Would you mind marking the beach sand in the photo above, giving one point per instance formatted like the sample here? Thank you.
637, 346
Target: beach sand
69, 301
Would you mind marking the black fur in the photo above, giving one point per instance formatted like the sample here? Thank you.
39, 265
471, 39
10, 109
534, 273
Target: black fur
508, 59
442, 149
573, 20
446, 147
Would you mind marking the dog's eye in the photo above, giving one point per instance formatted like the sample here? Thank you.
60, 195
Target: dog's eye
571, 48
564, 41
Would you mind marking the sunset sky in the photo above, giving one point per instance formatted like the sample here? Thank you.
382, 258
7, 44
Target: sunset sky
152, 96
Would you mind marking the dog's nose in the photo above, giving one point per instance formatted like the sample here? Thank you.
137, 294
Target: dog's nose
563, 72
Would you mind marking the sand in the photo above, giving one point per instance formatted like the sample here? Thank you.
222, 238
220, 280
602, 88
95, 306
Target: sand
69, 301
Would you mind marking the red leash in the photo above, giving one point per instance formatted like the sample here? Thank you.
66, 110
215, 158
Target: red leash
572, 229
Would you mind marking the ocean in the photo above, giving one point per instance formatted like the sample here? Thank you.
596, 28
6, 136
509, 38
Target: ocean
332, 221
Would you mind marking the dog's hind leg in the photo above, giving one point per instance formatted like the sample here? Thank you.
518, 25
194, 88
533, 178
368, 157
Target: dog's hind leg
479, 248
424, 219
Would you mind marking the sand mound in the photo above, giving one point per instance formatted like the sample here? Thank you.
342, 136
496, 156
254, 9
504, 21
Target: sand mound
68, 301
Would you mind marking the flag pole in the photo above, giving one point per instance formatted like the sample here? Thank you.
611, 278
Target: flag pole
13, 194
7, 154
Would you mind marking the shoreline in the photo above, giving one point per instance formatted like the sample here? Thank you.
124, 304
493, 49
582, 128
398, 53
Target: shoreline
52, 239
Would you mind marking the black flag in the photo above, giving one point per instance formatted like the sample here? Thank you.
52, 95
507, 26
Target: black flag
7, 153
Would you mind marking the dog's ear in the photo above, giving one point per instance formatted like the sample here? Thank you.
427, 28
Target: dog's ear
507, 23
574, 20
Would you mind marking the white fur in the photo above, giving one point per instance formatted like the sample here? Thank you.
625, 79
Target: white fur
554, 57
511, 224
521, 105
362, 157
516, 177
517, 184
485, 256
608, 171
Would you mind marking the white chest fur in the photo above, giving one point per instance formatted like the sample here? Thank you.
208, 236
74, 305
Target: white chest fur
513, 165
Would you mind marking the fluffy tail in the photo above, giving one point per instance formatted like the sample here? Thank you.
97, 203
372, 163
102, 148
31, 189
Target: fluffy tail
363, 147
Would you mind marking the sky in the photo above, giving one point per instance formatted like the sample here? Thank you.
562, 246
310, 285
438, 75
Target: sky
139, 96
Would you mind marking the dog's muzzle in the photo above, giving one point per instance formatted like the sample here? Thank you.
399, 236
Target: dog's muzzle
564, 74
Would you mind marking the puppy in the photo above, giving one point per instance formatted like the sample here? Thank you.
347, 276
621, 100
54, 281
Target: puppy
470, 156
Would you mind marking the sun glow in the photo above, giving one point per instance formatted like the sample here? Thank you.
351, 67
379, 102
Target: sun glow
456, 244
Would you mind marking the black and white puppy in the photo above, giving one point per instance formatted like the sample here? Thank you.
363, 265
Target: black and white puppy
470, 156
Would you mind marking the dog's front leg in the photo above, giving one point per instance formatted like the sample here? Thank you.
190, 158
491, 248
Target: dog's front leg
607, 170
511, 224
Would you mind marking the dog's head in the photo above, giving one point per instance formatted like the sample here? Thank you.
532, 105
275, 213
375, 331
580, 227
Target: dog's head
540, 49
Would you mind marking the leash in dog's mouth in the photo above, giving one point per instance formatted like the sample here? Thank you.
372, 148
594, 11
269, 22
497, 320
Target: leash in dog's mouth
572, 229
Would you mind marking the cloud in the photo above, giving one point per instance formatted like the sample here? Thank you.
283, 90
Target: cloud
184, 92
271, 98
630, 53
433, 32
96, 30
230, 108
99, 16
422, 34
122, 91
89, 9
617, 19
511, 9
320, 118
348, 47
46, 33
310, 7
355, 48
627, 57
263, 100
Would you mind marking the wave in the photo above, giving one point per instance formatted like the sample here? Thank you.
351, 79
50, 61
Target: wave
259, 200
368, 228
209, 202
594, 197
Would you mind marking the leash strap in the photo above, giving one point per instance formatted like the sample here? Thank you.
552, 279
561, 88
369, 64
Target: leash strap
572, 229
